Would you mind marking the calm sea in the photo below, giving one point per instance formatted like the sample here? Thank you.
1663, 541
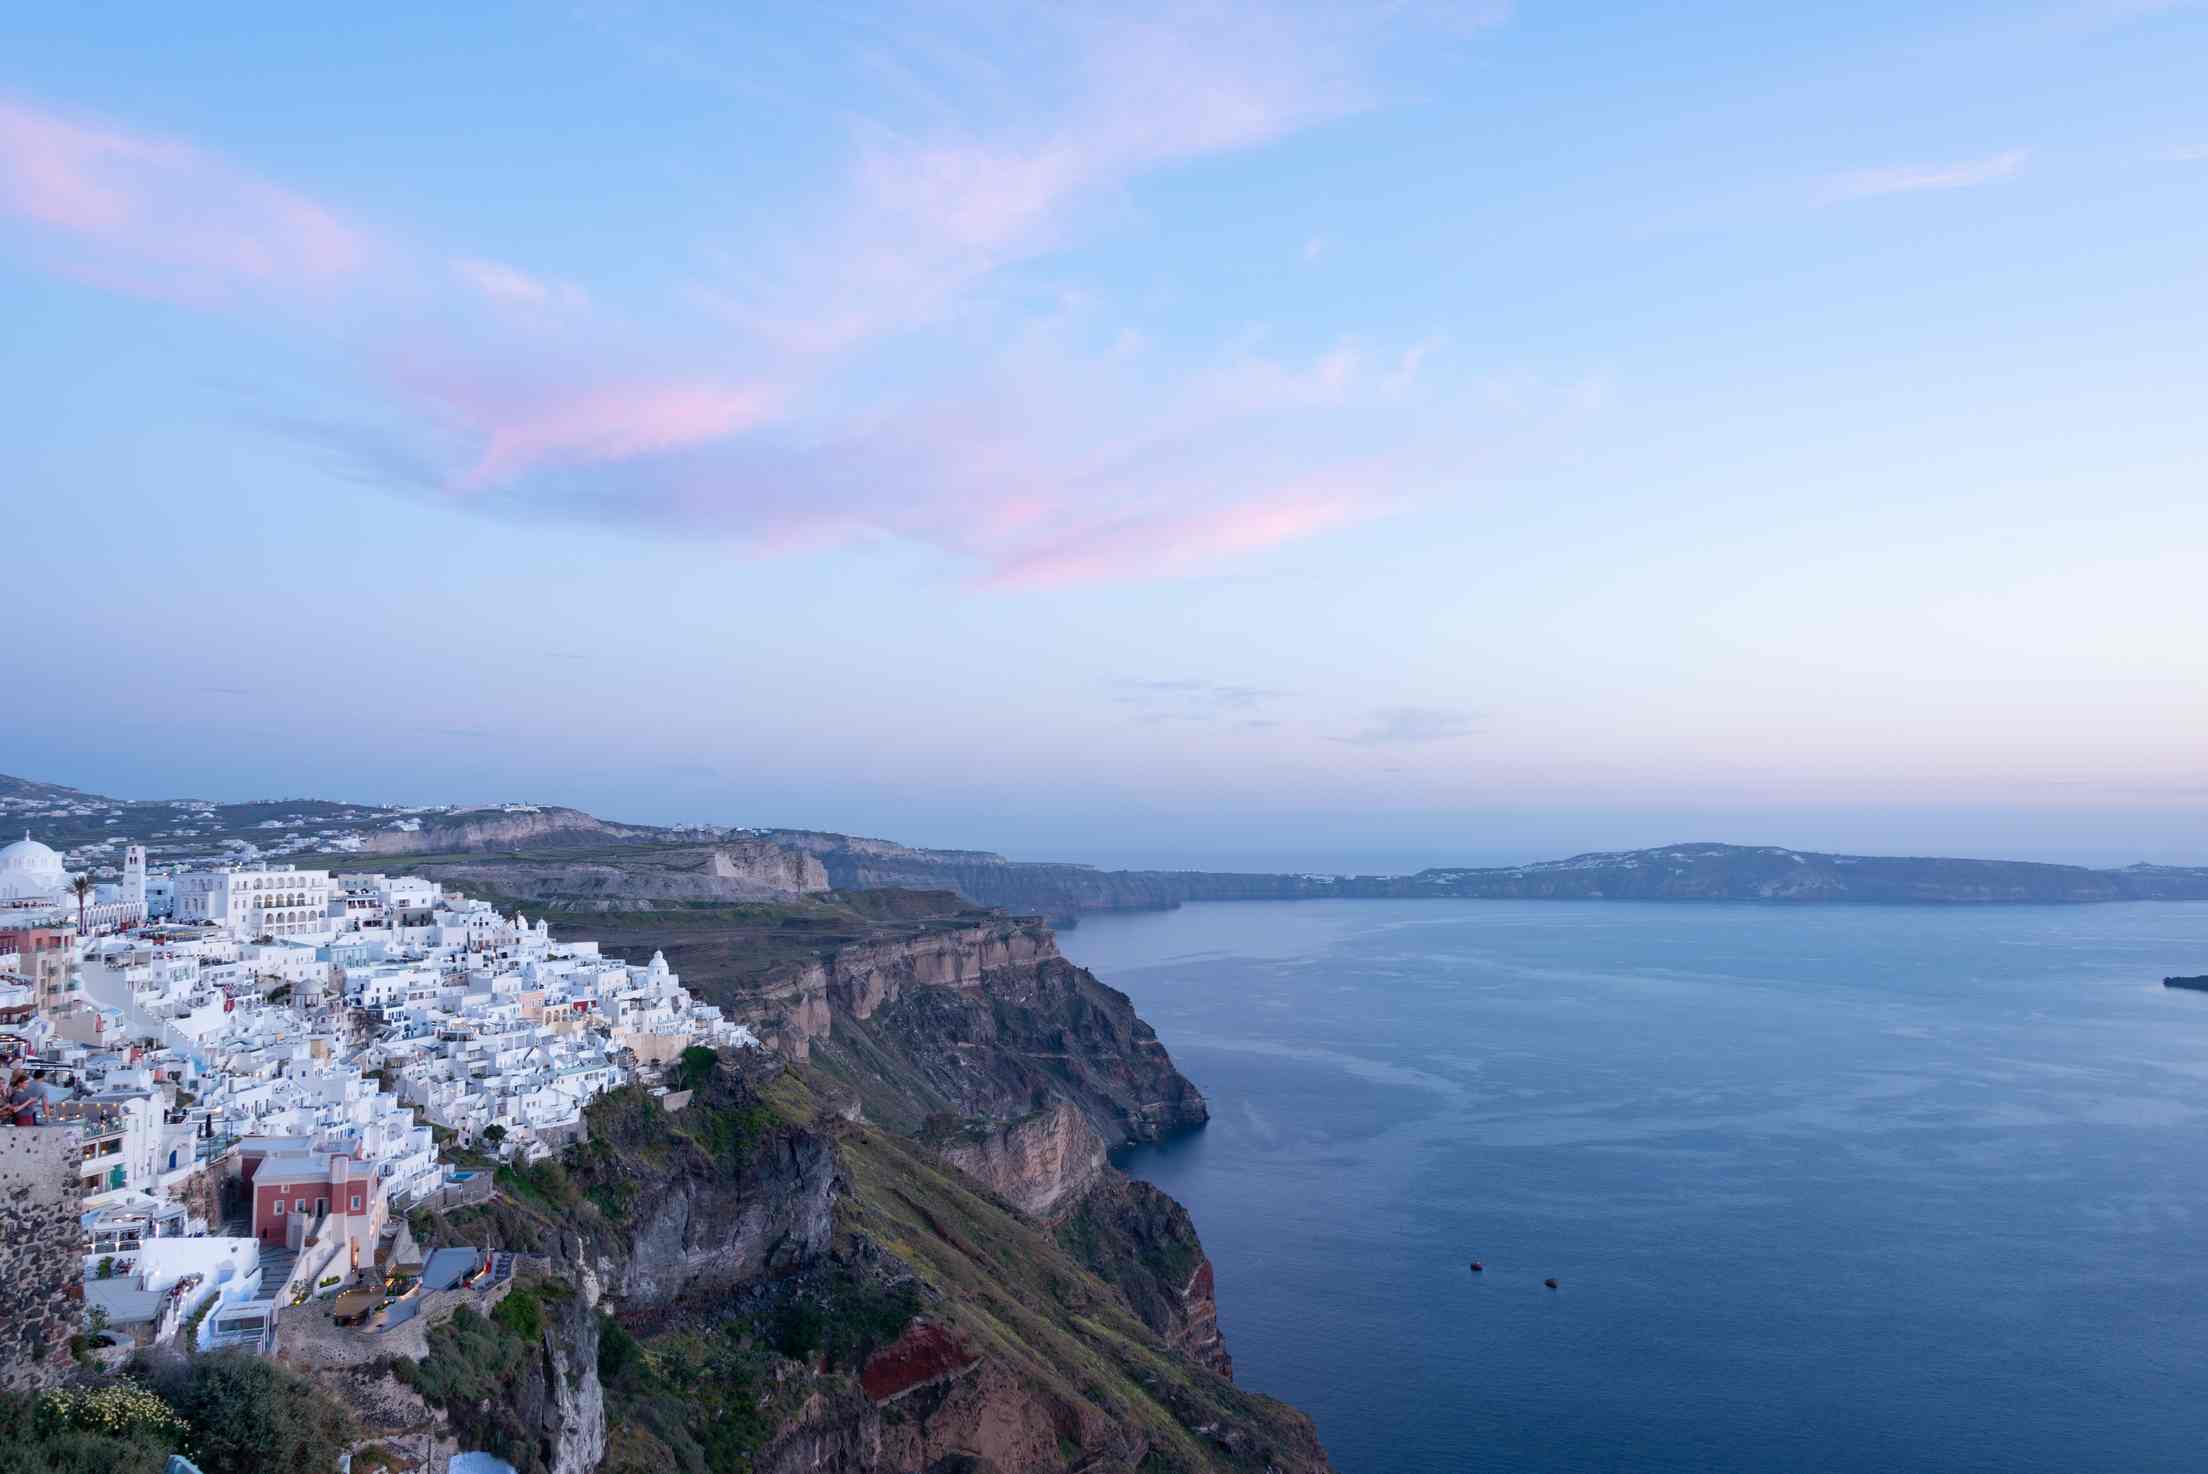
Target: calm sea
1846, 1188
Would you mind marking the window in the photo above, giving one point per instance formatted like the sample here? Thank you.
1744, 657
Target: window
302, 1205
279, 1207
356, 1202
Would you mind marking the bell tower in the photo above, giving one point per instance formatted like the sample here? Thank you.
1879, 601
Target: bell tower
134, 877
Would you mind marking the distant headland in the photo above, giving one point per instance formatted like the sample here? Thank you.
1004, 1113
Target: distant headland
563, 858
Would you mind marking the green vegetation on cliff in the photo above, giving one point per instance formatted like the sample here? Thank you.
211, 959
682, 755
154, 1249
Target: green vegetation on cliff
229, 1412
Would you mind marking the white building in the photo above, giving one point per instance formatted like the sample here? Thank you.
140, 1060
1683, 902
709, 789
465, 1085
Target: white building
33, 878
259, 901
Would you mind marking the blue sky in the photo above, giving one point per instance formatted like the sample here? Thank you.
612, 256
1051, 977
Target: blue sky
1336, 434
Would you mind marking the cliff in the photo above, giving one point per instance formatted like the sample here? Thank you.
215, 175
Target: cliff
498, 829
918, 1006
998, 1026
1052, 889
1689, 872
642, 879
1040, 1163
1136, 1238
832, 1297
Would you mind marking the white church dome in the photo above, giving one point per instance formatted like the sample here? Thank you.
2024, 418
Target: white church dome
31, 871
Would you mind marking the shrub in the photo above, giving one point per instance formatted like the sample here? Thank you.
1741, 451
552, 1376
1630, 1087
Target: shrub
617, 1349
40, 1439
468, 1358
696, 1067
844, 1324
248, 1415
520, 1313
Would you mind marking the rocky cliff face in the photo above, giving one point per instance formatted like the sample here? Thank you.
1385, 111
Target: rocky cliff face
682, 1217
1040, 1163
1138, 1239
894, 1245
495, 829
722, 874
1056, 891
831, 1297
558, 1394
967, 1018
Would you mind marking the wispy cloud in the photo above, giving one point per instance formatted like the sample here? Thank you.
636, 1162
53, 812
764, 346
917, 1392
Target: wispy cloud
1050, 446
500, 282
929, 210
1395, 726
617, 423
1862, 184
2190, 153
157, 217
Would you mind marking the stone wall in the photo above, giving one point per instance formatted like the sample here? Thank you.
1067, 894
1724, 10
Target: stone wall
41, 1262
477, 1189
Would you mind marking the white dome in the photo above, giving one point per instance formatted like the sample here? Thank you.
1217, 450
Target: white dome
31, 871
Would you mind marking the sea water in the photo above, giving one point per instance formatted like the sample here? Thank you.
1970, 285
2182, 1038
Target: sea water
1824, 1188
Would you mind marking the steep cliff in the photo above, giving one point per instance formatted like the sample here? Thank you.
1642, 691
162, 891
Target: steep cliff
834, 1298
932, 1010
1136, 1238
500, 829
1055, 890
1015, 1040
644, 879
1041, 1163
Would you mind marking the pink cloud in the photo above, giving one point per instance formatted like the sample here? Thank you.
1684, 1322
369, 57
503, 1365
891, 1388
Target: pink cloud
500, 282
1168, 543
925, 215
1033, 455
158, 216
618, 423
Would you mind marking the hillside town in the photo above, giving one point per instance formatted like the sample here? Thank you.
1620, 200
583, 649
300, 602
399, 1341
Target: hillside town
227, 1084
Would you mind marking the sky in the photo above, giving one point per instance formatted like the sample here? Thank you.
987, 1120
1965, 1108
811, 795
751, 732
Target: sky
1213, 434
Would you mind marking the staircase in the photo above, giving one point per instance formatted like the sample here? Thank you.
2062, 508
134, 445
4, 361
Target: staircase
276, 1263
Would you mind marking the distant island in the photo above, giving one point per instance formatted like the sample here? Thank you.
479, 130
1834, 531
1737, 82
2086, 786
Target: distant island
2199, 984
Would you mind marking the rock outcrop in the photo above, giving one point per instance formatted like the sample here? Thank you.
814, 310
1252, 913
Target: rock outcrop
557, 1395
1134, 1236
578, 1403
802, 1002
677, 1219
1041, 1163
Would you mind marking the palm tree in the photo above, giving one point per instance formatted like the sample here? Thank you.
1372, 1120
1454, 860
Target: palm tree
82, 885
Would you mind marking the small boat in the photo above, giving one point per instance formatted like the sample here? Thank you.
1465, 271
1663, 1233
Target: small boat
1550, 1283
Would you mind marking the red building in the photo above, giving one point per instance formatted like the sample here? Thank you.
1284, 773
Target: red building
295, 1192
